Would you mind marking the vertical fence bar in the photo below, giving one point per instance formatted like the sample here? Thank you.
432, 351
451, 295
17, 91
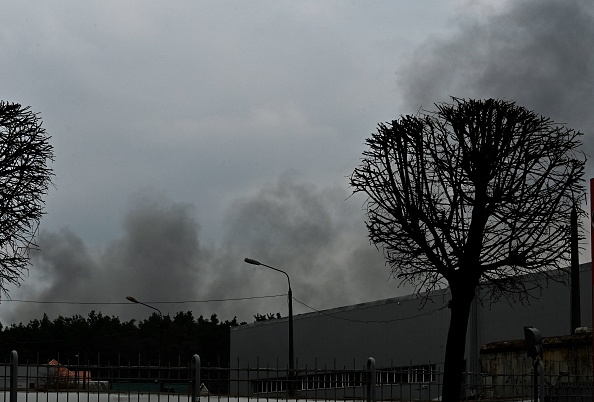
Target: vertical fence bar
335, 379
439, 382
27, 380
541, 375
98, 373
14, 372
195, 378
249, 376
371, 380
237, 378
325, 381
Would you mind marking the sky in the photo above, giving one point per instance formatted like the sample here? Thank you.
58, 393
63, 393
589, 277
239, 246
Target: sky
189, 135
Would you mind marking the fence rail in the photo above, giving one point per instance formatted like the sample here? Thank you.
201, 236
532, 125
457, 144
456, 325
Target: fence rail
56, 382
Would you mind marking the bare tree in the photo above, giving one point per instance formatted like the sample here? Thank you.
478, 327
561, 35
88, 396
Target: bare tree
473, 195
24, 179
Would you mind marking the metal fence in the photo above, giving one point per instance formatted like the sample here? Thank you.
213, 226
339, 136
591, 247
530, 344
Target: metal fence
57, 382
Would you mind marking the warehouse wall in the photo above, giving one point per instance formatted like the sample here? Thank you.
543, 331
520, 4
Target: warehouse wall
397, 332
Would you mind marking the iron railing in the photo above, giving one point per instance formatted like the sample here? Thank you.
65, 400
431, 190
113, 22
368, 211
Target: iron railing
130, 382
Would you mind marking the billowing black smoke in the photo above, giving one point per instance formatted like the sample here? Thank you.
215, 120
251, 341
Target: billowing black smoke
537, 53
316, 235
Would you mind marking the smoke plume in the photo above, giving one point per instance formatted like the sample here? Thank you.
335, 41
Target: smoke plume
537, 53
316, 235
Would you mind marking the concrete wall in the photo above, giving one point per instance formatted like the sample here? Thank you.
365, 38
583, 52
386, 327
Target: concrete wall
508, 371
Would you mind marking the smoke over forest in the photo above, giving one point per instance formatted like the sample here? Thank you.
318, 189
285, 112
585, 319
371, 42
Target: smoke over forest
537, 53
313, 234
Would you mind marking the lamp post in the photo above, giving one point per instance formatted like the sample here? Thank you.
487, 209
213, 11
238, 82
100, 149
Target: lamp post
133, 300
291, 386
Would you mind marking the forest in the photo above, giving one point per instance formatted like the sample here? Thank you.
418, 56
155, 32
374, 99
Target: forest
106, 340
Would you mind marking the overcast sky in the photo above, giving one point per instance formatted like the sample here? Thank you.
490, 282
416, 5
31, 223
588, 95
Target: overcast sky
189, 135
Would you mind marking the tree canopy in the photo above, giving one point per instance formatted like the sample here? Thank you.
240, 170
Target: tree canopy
479, 186
473, 195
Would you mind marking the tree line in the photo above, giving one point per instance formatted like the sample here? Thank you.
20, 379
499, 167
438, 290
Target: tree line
103, 339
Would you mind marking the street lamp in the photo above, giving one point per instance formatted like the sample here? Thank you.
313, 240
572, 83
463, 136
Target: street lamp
290, 294
133, 300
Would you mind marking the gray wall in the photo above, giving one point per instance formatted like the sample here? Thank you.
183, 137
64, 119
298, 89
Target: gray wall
397, 332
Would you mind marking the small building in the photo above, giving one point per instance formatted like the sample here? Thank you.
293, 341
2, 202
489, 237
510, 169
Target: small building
64, 374
567, 361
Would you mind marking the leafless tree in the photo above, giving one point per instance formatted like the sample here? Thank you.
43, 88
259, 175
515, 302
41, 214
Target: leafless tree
24, 179
473, 195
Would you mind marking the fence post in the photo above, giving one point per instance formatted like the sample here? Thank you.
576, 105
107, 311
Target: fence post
195, 378
539, 387
371, 380
14, 372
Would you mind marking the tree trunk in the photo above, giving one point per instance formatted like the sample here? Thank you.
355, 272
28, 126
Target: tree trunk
456, 344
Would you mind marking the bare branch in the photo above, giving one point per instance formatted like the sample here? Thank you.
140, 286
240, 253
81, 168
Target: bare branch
477, 189
24, 179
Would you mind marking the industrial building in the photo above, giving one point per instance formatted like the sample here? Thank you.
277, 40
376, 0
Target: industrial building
402, 332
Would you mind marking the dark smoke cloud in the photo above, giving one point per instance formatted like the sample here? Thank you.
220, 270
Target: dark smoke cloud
537, 53
316, 235
154, 260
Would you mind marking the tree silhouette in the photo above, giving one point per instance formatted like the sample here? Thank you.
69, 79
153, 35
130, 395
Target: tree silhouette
266, 317
24, 179
474, 195
105, 338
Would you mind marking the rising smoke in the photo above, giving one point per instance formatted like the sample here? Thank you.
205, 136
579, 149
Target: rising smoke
537, 53
313, 234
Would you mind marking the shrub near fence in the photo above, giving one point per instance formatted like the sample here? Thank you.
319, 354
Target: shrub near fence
173, 382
